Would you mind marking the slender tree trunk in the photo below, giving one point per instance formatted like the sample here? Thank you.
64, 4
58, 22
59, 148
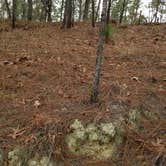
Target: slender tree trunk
67, 20
157, 9
95, 84
126, 10
14, 14
122, 11
80, 10
62, 6
86, 10
93, 13
139, 20
108, 11
30, 8
49, 10
97, 11
8, 9
44, 13
73, 12
161, 13
24, 10
136, 10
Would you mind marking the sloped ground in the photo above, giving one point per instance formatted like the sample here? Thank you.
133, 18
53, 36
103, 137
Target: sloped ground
46, 76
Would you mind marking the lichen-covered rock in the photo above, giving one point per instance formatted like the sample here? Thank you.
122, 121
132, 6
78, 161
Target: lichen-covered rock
108, 128
104, 139
77, 125
79, 134
134, 118
93, 136
44, 161
94, 140
71, 142
101, 141
33, 163
13, 157
79, 130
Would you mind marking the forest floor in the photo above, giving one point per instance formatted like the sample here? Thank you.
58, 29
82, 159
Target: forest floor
46, 75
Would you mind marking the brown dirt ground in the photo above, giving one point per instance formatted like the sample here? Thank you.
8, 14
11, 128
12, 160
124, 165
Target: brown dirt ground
42, 64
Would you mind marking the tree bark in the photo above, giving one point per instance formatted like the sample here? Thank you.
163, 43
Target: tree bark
46, 10
62, 6
49, 10
93, 13
14, 14
30, 8
24, 8
108, 11
67, 20
8, 9
80, 10
95, 84
86, 10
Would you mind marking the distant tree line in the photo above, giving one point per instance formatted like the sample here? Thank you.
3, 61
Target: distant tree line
70, 11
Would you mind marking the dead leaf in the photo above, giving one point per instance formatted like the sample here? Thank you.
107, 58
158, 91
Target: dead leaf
60, 92
37, 103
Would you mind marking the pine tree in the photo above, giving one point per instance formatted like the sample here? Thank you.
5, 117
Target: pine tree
95, 84
14, 3
30, 8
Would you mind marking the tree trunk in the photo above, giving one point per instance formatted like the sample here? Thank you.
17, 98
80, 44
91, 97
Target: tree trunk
24, 10
73, 12
97, 11
157, 9
49, 10
136, 11
30, 8
67, 20
93, 13
139, 20
62, 6
44, 13
8, 9
80, 10
14, 14
86, 10
95, 84
122, 11
108, 11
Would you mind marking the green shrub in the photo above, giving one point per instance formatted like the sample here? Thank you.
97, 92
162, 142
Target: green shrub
108, 31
